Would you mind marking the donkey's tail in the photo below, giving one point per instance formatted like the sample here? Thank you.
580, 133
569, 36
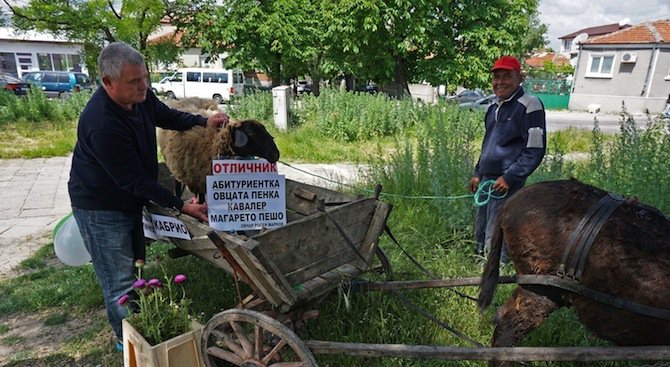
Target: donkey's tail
491, 273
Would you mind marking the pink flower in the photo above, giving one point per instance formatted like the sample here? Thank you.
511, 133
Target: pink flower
154, 283
139, 284
180, 278
122, 300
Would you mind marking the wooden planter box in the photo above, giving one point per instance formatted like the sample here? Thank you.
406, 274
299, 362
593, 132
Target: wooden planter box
180, 351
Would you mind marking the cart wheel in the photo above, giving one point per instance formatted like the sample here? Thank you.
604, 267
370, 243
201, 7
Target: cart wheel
384, 262
239, 337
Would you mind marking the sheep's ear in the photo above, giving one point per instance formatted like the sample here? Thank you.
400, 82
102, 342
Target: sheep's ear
241, 138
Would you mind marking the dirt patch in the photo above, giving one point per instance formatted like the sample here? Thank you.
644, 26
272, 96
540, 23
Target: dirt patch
30, 342
15, 250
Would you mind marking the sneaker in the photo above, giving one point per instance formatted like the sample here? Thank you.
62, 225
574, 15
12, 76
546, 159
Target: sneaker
119, 346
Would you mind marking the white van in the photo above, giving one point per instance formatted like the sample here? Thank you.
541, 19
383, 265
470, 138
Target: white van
220, 85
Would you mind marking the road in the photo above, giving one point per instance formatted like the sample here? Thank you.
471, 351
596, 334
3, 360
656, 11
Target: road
608, 123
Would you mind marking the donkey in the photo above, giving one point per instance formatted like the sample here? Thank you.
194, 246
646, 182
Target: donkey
629, 259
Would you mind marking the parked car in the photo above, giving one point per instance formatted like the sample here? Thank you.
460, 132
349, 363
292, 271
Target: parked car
466, 95
304, 87
159, 87
221, 85
59, 83
481, 104
370, 88
14, 85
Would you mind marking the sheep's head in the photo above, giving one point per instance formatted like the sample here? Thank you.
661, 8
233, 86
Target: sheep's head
249, 137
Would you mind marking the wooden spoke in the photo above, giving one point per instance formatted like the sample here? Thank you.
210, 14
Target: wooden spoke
259, 342
240, 337
225, 355
233, 345
282, 343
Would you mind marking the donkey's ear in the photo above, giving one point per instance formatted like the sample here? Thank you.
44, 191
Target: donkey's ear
241, 139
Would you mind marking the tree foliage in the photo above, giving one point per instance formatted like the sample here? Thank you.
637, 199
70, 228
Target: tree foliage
392, 42
535, 38
389, 41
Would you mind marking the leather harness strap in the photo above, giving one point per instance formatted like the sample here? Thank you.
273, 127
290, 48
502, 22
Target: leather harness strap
584, 235
604, 298
574, 258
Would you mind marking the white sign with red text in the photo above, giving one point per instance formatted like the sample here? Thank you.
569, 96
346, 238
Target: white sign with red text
245, 195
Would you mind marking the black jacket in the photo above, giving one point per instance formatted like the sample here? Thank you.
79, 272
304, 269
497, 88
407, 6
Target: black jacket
515, 140
115, 164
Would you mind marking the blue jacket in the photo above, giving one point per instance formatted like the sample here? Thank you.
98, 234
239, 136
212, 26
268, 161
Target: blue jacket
115, 164
515, 139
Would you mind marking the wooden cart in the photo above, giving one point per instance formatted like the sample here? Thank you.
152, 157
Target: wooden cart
330, 237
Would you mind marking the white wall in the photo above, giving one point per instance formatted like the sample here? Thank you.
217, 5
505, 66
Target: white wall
34, 43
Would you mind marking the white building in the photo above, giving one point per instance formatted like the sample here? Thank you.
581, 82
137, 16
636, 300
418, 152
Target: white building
25, 51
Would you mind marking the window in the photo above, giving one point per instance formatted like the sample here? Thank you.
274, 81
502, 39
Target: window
62, 62
25, 61
50, 78
82, 79
44, 61
600, 66
8, 63
216, 77
193, 76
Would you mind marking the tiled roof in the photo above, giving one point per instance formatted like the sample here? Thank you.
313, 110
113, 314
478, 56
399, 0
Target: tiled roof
167, 37
597, 30
538, 60
657, 31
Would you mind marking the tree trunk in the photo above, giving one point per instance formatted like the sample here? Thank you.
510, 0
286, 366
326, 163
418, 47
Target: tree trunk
399, 87
275, 72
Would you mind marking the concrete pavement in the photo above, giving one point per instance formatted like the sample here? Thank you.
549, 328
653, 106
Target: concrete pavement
34, 199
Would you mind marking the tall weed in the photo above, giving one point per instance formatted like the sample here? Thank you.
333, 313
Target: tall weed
348, 116
256, 105
635, 163
36, 107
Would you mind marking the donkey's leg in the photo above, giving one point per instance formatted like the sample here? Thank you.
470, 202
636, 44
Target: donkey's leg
521, 314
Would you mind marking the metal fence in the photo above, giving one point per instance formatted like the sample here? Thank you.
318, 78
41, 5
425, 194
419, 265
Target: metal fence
554, 93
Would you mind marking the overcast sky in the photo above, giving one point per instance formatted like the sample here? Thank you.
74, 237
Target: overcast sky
566, 16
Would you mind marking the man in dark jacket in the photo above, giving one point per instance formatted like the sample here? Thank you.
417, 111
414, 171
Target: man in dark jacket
513, 147
115, 168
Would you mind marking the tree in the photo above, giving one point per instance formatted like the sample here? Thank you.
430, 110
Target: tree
535, 38
390, 41
283, 37
93, 22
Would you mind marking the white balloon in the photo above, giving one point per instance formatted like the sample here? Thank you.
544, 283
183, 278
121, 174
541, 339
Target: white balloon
68, 244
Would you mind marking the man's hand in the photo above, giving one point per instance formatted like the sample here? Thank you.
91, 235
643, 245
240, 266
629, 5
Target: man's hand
500, 185
473, 184
218, 120
197, 211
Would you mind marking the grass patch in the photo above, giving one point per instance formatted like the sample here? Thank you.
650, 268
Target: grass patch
52, 286
56, 319
11, 340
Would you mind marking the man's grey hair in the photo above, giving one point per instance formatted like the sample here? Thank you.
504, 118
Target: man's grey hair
115, 56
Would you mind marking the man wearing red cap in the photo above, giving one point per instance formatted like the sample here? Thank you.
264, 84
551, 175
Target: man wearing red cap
513, 147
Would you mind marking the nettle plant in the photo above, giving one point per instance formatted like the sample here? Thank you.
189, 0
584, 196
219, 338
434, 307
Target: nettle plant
158, 309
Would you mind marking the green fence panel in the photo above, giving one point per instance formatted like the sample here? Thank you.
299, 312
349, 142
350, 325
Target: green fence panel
554, 101
554, 94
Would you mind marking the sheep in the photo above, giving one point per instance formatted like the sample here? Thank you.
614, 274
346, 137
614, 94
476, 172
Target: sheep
188, 154
194, 105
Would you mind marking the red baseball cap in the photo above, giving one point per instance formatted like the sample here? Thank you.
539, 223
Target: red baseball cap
507, 63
